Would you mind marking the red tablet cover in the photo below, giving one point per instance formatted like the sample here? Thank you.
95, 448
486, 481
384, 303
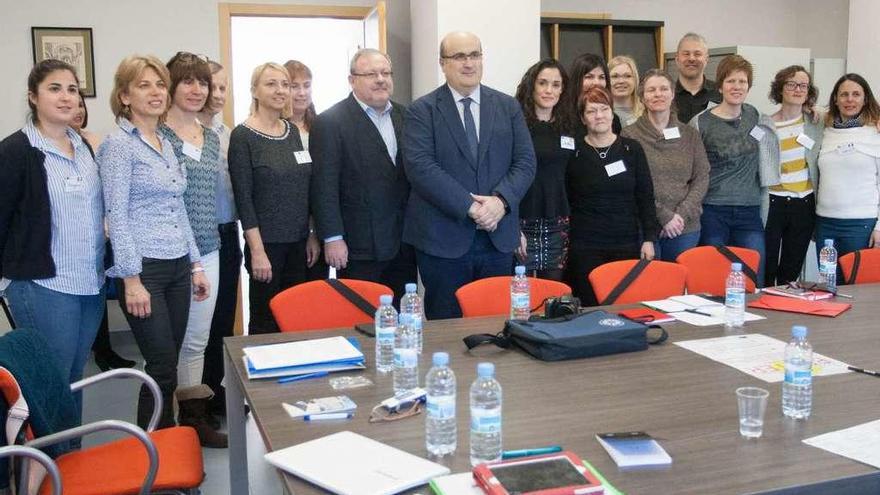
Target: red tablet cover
491, 476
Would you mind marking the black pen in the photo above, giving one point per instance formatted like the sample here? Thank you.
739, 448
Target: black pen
864, 371
694, 311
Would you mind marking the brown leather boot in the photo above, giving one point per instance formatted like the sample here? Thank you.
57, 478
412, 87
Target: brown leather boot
192, 404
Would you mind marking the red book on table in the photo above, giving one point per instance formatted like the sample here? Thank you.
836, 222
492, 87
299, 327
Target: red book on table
816, 308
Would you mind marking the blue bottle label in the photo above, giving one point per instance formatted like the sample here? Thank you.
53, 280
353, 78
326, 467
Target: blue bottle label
798, 377
486, 420
441, 406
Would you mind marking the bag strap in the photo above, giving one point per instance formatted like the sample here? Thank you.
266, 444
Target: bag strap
7, 313
661, 338
352, 297
626, 281
730, 255
857, 260
499, 339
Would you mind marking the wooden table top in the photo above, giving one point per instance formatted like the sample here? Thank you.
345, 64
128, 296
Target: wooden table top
685, 400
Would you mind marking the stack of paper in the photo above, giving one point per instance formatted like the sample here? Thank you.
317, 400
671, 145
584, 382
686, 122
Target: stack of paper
695, 310
305, 356
634, 449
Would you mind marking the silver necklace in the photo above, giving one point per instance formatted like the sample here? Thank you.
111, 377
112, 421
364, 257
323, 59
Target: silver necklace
602, 154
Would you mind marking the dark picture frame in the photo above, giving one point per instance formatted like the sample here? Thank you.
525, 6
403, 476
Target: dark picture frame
71, 45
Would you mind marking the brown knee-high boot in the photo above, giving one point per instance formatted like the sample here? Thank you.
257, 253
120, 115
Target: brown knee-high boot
193, 403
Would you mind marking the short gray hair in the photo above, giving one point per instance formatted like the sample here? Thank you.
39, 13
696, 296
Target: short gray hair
691, 37
363, 52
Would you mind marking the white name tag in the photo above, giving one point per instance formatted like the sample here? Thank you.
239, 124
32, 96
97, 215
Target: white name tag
757, 133
302, 157
845, 149
566, 142
805, 141
74, 184
671, 133
615, 168
191, 151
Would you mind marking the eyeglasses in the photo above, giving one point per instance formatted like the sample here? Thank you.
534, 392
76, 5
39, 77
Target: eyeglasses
380, 414
462, 57
374, 75
791, 86
615, 77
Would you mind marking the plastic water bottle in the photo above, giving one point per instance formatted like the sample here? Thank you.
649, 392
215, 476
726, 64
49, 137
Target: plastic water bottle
735, 297
406, 359
485, 416
828, 265
440, 428
520, 302
797, 388
411, 308
386, 329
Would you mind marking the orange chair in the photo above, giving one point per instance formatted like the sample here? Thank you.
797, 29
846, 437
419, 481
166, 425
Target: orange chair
708, 269
658, 280
316, 305
491, 296
867, 270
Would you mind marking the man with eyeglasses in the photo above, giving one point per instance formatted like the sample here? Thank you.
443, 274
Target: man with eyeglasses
693, 91
359, 188
470, 160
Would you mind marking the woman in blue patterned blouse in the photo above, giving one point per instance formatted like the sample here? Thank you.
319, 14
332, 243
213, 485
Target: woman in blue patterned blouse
197, 148
51, 222
155, 253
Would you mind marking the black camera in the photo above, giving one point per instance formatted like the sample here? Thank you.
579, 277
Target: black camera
555, 307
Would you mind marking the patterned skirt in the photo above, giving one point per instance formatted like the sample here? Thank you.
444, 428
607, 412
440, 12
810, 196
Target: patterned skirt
546, 243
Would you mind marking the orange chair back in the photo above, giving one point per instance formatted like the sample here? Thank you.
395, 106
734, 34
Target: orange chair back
658, 280
491, 296
708, 269
868, 270
315, 305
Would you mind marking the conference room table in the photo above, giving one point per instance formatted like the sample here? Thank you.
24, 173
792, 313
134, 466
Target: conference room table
685, 400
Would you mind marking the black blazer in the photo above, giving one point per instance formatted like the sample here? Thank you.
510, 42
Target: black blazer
356, 190
25, 211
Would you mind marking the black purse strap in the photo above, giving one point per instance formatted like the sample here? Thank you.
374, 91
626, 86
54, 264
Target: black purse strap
499, 339
626, 281
857, 260
730, 255
660, 338
352, 297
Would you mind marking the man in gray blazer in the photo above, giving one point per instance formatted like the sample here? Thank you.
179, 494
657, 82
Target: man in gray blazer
359, 188
470, 160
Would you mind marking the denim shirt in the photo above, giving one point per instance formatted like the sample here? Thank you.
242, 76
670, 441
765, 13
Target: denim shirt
143, 195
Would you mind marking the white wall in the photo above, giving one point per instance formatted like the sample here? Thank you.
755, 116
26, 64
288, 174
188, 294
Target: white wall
509, 47
864, 40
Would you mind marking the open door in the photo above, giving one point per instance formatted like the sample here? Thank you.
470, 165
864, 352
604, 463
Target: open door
374, 28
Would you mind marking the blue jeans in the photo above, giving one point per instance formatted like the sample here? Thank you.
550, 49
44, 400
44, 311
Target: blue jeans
67, 321
443, 276
739, 226
849, 235
669, 249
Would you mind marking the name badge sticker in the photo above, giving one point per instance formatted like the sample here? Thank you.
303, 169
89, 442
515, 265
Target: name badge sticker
566, 142
847, 148
191, 151
671, 133
757, 133
302, 157
805, 141
615, 168
74, 183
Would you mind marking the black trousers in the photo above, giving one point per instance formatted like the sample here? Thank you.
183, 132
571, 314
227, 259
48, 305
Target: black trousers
394, 273
223, 320
582, 260
790, 223
160, 335
288, 261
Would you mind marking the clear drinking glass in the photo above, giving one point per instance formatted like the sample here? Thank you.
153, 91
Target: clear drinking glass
752, 403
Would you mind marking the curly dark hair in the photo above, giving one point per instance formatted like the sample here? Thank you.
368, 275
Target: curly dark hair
562, 119
783, 76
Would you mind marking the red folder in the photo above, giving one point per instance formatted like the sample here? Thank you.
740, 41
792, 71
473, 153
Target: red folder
816, 308
646, 315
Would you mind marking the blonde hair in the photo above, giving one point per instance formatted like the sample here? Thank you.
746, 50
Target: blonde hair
255, 80
129, 70
634, 102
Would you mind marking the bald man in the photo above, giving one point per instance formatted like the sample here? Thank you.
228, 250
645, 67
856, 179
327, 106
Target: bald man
469, 159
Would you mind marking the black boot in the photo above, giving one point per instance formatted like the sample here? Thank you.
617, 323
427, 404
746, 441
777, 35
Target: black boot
192, 403
109, 360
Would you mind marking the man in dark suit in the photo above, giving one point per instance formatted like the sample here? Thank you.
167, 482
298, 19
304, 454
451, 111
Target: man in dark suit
469, 160
359, 188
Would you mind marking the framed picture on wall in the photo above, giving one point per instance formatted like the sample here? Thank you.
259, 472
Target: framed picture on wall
71, 45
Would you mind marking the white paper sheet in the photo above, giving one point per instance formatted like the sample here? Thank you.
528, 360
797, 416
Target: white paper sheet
757, 355
301, 353
860, 443
678, 306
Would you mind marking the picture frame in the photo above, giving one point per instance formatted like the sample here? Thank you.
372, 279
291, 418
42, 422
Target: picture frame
71, 45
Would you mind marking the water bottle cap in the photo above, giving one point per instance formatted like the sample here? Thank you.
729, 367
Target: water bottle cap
829, 242
520, 270
736, 267
385, 299
411, 287
799, 331
485, 370
441, 358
